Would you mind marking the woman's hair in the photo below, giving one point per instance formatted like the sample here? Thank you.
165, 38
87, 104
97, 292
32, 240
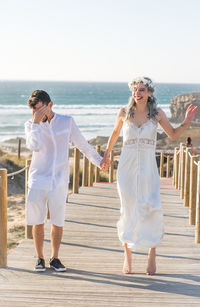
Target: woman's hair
151, 102
188, 141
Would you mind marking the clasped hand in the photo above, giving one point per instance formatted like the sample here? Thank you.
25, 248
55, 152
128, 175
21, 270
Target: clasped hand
105, 164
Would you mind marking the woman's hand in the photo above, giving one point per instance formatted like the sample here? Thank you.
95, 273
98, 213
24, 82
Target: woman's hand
105, 164
190, 113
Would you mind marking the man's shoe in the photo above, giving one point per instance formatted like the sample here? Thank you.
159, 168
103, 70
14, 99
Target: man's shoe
40, 265
57, 265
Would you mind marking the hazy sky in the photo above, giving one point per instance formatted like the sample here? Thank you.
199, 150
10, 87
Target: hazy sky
100, 40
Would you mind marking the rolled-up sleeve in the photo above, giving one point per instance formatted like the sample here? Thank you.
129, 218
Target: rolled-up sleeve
80, 142
33, 136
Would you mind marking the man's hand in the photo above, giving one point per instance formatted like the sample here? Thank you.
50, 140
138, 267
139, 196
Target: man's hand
105, 164
38, 115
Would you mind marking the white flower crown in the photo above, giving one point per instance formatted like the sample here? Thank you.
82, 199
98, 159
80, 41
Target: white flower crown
146, 81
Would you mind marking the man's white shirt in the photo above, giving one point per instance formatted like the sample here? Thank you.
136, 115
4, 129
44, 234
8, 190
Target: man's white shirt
50, 145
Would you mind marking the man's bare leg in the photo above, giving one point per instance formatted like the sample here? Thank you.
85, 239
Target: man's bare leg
38, 237
151, 267
56, 236
127, 260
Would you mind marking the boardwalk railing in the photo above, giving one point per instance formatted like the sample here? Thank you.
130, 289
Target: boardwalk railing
186, 178
90, 174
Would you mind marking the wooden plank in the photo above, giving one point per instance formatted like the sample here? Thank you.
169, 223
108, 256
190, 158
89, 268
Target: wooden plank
94, 256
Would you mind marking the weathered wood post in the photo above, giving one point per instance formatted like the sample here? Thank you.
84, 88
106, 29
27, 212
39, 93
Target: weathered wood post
183, 148
48, 212
197, 230
85, 172
111, 169
179, 166
91, 174
187, 177
76, 170
161, 164
3, 218
168, 166
28, 228
19, 149
176, 166
193, 189
173, 173
98, 149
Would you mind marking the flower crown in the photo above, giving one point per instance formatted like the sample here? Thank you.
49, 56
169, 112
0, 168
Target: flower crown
146, 81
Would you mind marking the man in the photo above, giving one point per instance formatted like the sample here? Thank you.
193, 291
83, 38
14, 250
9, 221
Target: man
48, 135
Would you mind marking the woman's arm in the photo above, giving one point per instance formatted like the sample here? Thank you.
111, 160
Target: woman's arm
174, 133
115, 133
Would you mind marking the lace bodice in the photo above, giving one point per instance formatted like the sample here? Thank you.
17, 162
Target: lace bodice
146, 134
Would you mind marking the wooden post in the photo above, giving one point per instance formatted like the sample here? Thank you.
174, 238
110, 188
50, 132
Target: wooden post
111, 169
187, 177
85, 172
76, 170
91, 174
3, 218
173, 173
197, 230
176, 166
98, 149
183, 148
179, 166
19, 149
193, 190
48, 212
168, 166
161, 164
28, 228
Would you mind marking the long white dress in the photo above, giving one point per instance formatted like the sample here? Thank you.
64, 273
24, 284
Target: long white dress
141, 220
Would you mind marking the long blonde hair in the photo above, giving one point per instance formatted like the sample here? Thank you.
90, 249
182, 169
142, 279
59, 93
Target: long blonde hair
151, 102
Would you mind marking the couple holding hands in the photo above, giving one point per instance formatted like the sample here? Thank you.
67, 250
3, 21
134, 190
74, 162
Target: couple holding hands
48, 135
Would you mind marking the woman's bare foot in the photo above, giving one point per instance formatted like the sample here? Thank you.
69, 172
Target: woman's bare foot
127, 260
151, 267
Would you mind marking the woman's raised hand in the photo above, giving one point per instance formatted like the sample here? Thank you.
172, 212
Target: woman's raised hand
190, 113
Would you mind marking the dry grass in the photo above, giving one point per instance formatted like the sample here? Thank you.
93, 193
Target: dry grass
16, 220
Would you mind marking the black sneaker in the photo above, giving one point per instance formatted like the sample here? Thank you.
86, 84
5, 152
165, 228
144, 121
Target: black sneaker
57, 265
40, 265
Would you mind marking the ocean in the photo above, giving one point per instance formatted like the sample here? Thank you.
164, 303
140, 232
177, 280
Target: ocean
93, 105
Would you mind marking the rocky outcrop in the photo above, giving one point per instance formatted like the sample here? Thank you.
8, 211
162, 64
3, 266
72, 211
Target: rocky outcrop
180, 103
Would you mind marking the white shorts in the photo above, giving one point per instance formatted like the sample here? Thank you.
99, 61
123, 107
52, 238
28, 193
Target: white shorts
36, 206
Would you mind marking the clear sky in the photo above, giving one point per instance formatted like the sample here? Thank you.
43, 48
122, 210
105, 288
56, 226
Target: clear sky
100, 40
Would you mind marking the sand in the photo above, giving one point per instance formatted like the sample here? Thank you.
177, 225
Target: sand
16, 200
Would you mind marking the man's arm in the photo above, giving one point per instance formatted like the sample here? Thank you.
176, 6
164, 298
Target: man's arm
33, 136
33, 130
80, 142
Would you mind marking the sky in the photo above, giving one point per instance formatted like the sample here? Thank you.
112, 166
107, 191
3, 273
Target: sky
100, 40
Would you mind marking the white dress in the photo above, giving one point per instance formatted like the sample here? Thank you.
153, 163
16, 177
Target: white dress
141, 220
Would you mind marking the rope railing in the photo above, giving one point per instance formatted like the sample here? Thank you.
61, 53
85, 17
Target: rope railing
17, 172
186, 178
90, 174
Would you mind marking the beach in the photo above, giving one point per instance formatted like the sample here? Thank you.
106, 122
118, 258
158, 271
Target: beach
93, 106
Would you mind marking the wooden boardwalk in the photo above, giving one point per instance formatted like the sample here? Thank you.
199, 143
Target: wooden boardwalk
94, 257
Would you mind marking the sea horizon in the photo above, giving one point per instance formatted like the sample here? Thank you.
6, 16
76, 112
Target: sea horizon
94, 105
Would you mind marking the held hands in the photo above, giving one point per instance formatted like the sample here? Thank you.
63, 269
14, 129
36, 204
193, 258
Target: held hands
105, 164
190, 113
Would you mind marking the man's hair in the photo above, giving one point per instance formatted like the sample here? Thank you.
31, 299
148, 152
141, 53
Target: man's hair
37, 96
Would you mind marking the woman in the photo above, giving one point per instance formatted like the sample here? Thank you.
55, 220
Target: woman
188, 143
141, 220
